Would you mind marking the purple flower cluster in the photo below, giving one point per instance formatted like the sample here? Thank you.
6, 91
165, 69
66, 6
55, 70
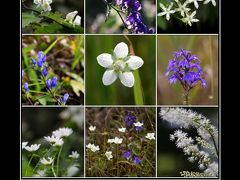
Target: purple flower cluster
134, 20
130, 118
51, 83
186, 69
136, 159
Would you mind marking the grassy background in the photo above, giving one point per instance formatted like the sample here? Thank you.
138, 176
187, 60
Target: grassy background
96, 92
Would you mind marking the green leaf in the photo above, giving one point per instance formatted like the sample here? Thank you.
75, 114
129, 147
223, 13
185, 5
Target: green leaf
78, 55
137, 89
28, 18
42, 101
49, 28
77, 87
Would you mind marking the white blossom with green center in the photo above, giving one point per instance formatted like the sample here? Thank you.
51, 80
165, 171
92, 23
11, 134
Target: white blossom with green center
120, 64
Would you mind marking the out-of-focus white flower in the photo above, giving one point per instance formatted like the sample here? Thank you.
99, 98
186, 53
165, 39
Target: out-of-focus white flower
212, 169
63, 132
92, 147
72, 171
110, 141
92, 128
150, 136
213, 2
43, 4
166, 11
195, 2
46, 162
33, 147
74, 155
109, 155
122, 129
77, 21
119, 65
24, 144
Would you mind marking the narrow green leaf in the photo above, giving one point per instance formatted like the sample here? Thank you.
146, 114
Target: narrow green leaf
52, 45
137, 89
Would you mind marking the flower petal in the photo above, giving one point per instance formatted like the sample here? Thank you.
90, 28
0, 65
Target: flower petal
121, 50
109, 77
105, 60
134, 62
127, 79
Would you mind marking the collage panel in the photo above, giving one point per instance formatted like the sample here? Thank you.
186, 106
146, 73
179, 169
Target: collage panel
188, 142
188, 16
120, 142
120, 16
52, 142
52, 70
120, 70
52, 16
187, 70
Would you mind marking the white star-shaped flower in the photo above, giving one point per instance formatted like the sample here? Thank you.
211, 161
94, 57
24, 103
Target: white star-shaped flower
118, 140
166, 11
74, 155
189, 19
121, 129
213, 2
138, 124
150, 136
92, 147
109, 155
92, 128
119, 65
182, 8
33, 147
46, 162
195, 2
63, 132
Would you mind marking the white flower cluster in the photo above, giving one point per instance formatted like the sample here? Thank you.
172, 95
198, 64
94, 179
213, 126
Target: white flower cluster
182, 7
116, 140
92, 147
43, 4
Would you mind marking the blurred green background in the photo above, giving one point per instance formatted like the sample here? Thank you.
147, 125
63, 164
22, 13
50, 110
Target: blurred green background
40, 122
171, 160
206, 49
117, 94
207, 15
96, 15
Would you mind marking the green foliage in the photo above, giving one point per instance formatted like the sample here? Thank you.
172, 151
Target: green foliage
29, 18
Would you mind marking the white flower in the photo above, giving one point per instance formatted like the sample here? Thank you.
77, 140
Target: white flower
122, 129
195, 2
24, 144
182, 8
138, 124
92, 128
190, 18
63, 132
70, 16
77, 21
33, 147
150, 136
54, 140
166, 11
212, 169
119, 65
72, 171
109, 155
44, 4
74, 155
118, 140
92, 147
46, 162
213, 2
110, 141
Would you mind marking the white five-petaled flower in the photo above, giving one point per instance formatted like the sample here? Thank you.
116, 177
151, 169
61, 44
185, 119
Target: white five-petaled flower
109, 155
46, 162
62, 132
33, 147
44, 4
138, 124
166, 11
189, 19
24, 144
119, 65
182, 8
92, 128
92, 147
54, 140
150, 136
213, 2
121, 129
74, 155
116, 140
195, 2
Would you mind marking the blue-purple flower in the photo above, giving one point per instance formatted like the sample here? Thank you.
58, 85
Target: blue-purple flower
64, 99
130, 118
127, 154
138, 126
186, 69
25, 86
51, 83
41, 59
137, 160
45, 72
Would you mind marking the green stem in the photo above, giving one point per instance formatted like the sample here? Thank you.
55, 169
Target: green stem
58, 158
53, 169
117, 159
29, 162
186, 98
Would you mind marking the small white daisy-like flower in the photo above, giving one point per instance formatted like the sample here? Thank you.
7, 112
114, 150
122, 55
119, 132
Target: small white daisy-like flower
118, 140
109, 155
189, 19
110, 141
195, 2
213, 2
74, 155
166, 11
92, 147
33, 147
119, 65
138, 124
182, 8
46, 162
70, 16
122, 129
150, 136
24, 144
63, 132
54, 140
92, 128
